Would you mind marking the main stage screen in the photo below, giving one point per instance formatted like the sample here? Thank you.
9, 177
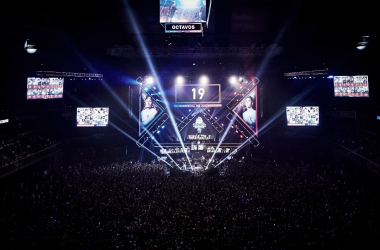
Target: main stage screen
44, 88
351, 86
198, 122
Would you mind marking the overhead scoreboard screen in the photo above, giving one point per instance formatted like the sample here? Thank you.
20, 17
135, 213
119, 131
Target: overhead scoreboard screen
351, 86
184, 11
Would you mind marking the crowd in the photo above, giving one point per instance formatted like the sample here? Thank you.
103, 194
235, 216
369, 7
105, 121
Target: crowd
364, 143
269, 205
15, 148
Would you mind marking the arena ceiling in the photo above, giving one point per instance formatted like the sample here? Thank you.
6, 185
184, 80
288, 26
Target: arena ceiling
312, 34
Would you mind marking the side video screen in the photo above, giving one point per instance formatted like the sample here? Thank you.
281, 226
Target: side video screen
351, 86
302, 115
92, 117
44, 88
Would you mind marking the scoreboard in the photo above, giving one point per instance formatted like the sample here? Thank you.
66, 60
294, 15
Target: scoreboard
197, 94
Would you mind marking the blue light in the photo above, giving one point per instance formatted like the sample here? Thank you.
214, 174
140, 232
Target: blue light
189, 110
158, 131
330, 77
146, 89
163, 126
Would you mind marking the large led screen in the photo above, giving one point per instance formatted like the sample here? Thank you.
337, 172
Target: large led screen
351, 86
183, 11
44, 88
92, 117
198, 114
302, 115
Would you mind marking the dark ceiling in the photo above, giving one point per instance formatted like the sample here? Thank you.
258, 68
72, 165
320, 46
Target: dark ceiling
99, 23
312, 34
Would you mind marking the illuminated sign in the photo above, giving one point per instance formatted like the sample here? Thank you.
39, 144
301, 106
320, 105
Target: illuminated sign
183, 28
197, 93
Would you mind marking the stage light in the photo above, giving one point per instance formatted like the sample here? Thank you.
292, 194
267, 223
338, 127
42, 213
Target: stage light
189, 110
203, 80
363, 44
330, 77
180, 80
233, 79
216, 118
158, 131
30, 46
163, 127
149, 79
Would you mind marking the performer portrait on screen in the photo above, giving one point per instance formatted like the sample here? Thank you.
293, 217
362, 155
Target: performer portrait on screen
249, 115
172, 11
149, 111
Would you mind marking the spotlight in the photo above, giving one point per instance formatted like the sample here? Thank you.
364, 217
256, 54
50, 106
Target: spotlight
233, 79
149, 79
363, 44
180, 80
204, 80
30, 46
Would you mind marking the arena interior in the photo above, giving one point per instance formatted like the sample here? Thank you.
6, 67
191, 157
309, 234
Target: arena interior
246, 124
